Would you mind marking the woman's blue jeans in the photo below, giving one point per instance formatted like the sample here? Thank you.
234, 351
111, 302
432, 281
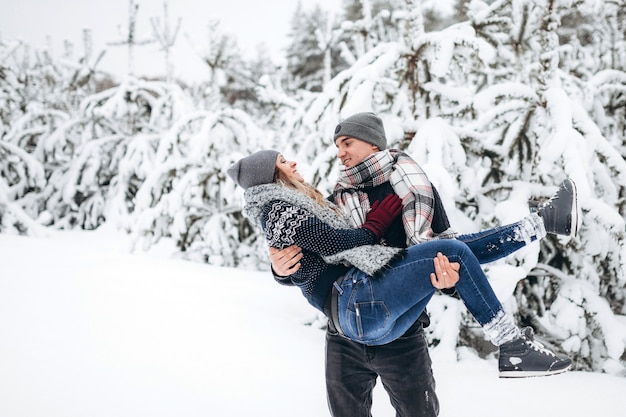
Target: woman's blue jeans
493, 244
378, 310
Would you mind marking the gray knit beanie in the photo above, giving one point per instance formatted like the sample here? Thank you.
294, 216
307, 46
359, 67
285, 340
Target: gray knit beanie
255, 169
364, 126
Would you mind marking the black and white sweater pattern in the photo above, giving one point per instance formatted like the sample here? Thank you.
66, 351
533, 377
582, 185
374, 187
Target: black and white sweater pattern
289, 217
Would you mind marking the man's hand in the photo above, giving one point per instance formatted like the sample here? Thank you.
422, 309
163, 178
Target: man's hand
446, 273
285, 261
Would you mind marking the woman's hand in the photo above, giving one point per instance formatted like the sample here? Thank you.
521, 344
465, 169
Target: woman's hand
286, 261
446, 273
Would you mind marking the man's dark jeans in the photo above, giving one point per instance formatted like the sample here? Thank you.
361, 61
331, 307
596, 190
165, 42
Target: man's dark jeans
404, 367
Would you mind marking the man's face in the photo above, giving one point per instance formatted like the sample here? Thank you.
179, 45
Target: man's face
352, 151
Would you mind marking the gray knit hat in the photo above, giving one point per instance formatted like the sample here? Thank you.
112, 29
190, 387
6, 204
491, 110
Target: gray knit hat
364, 126
255, 169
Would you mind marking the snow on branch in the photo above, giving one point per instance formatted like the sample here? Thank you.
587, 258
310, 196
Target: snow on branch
439, 47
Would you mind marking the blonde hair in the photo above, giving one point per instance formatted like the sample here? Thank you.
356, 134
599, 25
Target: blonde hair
306, 189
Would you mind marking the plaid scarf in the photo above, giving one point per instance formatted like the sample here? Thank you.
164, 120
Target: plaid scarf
408, 181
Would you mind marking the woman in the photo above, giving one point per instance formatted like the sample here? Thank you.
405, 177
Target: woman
373, 293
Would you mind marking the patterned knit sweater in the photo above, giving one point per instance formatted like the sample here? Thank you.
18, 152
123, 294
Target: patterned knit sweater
329, 246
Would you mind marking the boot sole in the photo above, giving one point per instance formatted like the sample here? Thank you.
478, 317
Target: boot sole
574, 213
530, 374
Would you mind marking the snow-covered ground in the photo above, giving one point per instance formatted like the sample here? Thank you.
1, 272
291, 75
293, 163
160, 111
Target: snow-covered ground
89, 330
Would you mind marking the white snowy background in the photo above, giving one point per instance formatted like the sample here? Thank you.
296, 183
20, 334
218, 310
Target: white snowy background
130, 283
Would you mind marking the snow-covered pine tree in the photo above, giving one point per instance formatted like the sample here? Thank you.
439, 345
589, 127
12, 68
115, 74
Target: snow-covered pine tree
602, 53
368, 23
320, 48
114, 140
21, 175
535, 130
310, 57
240, 88
188, 197
38, 94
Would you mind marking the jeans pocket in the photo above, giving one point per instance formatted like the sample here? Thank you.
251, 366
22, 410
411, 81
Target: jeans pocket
372, 319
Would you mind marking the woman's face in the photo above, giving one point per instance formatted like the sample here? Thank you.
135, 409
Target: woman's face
288, 169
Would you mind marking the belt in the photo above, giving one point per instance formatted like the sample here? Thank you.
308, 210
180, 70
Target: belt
332, 306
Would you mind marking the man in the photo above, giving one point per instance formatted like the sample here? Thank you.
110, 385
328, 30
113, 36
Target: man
369, 175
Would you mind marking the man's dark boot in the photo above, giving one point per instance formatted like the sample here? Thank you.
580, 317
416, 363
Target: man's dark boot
560, 213
524, 357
